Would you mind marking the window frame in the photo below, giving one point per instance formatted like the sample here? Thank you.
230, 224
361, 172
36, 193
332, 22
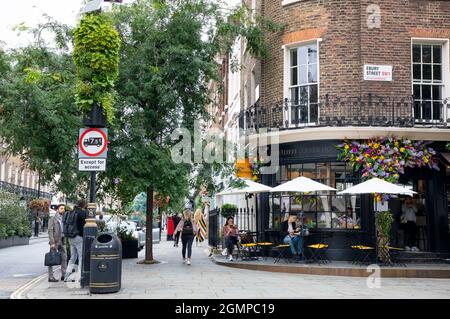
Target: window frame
445, 74
287, 79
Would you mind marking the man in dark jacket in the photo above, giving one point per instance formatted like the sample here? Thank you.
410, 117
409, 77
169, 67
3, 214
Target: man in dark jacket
289, 234
76, 243
176, 220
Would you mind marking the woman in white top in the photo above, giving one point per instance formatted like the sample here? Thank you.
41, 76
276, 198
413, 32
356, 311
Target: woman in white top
408, 221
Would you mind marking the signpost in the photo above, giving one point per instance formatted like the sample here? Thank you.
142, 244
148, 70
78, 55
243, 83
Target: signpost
92, 153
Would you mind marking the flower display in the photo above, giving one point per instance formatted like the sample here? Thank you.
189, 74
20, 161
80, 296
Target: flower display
256, 169
387, 157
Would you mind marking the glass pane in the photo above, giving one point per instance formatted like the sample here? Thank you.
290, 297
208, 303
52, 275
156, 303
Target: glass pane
312, 74
416, 53
312, 54
416, 93
313, 113
426, 54
437, 57
303, 74
303, 113
309, 170
417, 110
437, 74
294, 57
426, 92
313, 94
437, 106
303, 51
294, 95
426, 69
294, 74
309, 220
303, 95
283, 173
417, 72
295, 171
426, 110
324, 220
437, 92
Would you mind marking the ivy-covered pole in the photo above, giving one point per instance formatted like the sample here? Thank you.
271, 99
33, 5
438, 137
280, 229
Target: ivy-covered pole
96, 57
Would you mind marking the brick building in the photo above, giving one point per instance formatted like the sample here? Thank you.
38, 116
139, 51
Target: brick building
352, 70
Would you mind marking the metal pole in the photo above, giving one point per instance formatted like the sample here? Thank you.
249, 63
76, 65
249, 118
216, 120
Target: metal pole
39, 185
90, 231
149, 227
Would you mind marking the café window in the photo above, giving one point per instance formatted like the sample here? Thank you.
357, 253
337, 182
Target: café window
428, 84
303, 83
320, 210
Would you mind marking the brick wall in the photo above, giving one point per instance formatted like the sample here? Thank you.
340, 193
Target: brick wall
348, 43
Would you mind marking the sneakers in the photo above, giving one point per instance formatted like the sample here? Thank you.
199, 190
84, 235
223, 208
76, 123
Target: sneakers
415, 248
52, 279
407, 248
224, 252
184, 260
188, 261
230, 258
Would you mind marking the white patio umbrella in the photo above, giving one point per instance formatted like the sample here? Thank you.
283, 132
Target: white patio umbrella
250, 187
377, 186
302, 185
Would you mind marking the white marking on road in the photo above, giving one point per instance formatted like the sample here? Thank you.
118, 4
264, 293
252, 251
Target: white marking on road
22, 275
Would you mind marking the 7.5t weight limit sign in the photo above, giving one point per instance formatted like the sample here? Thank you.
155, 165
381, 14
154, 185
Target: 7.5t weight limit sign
92, 148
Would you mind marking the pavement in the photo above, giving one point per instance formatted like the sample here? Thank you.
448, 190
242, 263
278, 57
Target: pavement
20, 264
171, 279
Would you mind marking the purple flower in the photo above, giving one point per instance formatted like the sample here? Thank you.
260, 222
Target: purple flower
116, 181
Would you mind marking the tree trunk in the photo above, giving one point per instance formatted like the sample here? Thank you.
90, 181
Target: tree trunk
149, 226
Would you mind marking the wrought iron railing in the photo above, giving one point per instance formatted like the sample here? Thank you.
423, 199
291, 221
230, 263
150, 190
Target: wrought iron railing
26, 192
370, 110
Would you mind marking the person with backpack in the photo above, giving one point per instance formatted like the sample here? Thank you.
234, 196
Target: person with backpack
56, 241
73, 230
188, 229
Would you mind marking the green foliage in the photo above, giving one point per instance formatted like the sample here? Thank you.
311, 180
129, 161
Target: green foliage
14, 219
228, 210
96, 55
39, 120
384, 222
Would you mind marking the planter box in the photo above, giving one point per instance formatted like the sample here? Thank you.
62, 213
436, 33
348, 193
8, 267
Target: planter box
14, 241
130, 249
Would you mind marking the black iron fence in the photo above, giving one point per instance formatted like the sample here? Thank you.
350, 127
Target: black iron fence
25, 192
370, 110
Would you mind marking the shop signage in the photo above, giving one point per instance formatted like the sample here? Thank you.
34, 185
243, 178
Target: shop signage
377, 72
244, 168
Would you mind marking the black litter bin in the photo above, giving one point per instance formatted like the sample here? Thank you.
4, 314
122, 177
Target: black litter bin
106, 264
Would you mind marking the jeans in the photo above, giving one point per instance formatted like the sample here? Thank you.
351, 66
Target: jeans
187, 243
230, 241
294, 241
62, 250
177, 238
411, 231
76, 251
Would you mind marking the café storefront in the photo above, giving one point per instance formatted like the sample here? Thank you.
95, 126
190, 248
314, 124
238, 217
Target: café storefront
327, 213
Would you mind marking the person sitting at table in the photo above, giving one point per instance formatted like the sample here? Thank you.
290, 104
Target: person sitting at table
289, 233
230, 233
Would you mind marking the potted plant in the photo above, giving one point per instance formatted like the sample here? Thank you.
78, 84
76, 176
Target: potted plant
228, 210
384, 222
130, 245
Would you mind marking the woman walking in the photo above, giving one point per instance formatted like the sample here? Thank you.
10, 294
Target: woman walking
188, 229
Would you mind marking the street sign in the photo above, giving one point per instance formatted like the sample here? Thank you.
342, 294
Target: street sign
91, 165
93, 143
377, 72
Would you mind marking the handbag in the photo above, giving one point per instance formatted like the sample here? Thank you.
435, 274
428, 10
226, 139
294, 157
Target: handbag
52, 258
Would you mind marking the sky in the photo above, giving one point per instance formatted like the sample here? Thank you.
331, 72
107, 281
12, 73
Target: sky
31, 13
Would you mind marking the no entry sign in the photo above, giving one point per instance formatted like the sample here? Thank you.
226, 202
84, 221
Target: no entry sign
93, 143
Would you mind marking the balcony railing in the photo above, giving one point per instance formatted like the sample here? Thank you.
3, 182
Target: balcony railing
27, 193
370, 110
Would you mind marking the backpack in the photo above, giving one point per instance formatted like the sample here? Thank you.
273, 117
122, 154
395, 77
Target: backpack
187, 228
70, 225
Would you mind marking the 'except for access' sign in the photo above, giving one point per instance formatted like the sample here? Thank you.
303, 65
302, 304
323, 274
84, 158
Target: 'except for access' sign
93, 143
95, 164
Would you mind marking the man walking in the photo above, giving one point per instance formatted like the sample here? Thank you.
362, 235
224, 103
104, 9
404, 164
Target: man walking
73, 229
176, 239
56, 241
